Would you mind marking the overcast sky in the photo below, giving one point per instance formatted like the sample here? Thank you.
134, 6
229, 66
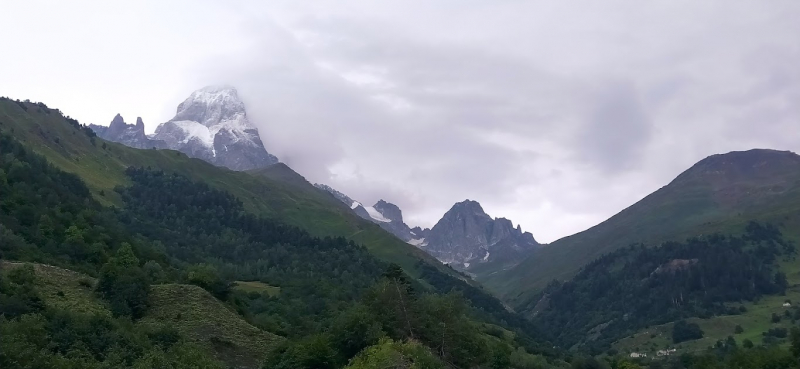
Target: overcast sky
554, 114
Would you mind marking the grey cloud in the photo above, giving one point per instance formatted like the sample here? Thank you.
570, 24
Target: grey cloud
617, 128
391, 109
553, 114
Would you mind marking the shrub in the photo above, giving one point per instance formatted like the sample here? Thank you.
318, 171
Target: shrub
684, 331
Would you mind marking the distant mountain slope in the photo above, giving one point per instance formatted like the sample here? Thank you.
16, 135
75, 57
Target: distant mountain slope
719, 193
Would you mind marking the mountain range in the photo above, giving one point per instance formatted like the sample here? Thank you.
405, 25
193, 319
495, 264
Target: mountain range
463, 237
721, 194
212, 125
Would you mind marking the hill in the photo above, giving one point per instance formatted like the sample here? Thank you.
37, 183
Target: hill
718, 194
755, 319
638, 287
196, 315
204, 320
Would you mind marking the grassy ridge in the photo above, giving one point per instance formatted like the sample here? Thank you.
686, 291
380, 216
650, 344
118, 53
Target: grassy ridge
202, 319
65, 289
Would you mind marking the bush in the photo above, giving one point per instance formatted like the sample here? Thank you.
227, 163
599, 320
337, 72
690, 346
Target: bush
683, 331
164, 336
22, 275
85, 282
390, 354
207, 277
776, 332
124, 285
738, 329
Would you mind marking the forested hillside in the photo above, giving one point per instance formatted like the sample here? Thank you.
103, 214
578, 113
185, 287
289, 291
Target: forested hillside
637, 286
335, 298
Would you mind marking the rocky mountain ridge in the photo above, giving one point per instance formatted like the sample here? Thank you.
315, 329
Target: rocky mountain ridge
127, 134
465, 235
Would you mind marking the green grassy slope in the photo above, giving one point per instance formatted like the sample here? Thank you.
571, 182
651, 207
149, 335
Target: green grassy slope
205, 320
192, 311
257, 287
720, 193
275, 192
65, 289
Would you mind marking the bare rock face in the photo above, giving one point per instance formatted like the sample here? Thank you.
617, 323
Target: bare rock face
212, 125
467, 235
395, 225
127, 134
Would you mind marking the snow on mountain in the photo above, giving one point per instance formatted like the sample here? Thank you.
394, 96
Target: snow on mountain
419, 242
375, 214
212, 124
196, 130
386, 215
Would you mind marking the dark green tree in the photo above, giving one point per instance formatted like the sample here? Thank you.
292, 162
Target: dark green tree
684, 331
124, 284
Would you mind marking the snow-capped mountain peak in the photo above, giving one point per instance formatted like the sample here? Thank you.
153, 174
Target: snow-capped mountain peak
212, 124
214, 106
